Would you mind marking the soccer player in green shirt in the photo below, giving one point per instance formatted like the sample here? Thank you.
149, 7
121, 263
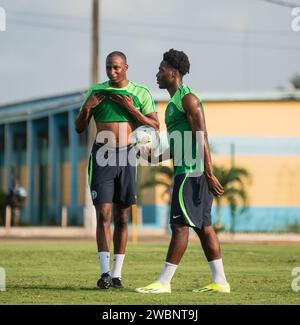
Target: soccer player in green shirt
194, 182
118, 107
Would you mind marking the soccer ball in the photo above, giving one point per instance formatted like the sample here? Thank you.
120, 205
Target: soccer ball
145, 138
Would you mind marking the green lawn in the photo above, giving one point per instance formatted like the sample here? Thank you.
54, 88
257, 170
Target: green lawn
65, 272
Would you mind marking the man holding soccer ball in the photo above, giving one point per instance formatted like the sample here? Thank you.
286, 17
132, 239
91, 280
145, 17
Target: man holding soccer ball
118, 107
194, 183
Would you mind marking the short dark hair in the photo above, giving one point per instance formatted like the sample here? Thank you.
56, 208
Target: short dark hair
117, 53
178, 60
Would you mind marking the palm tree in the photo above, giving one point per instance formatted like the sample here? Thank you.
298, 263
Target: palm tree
160, 175
233, 181
295, 80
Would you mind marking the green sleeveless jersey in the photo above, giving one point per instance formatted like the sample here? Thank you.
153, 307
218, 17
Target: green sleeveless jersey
109, 111
183, 146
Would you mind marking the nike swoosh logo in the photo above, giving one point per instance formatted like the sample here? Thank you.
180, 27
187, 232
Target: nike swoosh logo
175, 217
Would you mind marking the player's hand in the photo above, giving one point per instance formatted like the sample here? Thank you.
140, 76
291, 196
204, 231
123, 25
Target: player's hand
214, 185
123, 100
94, 100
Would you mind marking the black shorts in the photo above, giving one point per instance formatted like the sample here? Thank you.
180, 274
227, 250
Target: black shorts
112, 174
191, 201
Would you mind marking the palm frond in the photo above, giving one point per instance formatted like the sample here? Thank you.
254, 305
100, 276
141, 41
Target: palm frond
165, 170
154, 182
239, 175
234, 181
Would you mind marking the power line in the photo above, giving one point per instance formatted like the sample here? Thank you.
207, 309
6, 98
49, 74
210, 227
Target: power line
210, 29
45, 25
42, 15
282, 3
169, 37
203, 27
205, 41
158, 24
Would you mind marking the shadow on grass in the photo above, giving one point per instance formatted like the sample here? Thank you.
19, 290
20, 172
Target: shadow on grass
67, 288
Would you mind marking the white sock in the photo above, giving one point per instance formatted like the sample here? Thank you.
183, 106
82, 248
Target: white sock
167, 273
117, 266
217, 271
104, 261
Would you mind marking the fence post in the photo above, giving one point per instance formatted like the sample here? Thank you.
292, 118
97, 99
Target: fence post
64, 216
134, 223
7, 217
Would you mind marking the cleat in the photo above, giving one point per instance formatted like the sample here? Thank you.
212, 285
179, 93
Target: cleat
155, 287
116, 283
105, 281
214, 287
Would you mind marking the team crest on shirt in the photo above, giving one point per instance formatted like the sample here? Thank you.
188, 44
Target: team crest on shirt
171, 110
94, 195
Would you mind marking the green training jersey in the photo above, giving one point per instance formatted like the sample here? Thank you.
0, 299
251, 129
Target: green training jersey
183, 146
110, 111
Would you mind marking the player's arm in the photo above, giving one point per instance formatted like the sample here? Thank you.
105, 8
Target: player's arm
196, 120
126, 101
83, 118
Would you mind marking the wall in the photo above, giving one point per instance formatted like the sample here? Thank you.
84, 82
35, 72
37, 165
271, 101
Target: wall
266, 139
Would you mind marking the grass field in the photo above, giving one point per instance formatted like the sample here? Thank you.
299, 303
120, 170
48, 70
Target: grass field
65, 272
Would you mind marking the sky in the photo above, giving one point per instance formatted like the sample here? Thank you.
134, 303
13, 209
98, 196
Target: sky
233, 45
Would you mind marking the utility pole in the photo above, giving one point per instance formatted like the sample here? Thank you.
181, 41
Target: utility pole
94, 61
95, 41
89, 213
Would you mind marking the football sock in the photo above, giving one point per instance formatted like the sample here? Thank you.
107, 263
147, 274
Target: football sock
217, 271
104, 261
117, 266
167, 273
